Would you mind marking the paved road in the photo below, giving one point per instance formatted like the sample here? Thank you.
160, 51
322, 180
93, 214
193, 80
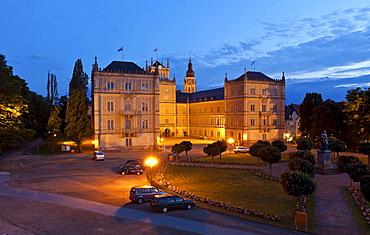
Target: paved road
30, 208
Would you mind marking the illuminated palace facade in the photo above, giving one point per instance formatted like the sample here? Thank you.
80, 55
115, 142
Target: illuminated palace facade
135, 107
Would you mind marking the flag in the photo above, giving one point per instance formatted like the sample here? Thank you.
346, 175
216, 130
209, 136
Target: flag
156, 49
121, 49
252, 62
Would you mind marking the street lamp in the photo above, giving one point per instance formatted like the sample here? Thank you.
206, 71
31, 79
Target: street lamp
151, 161
230, 141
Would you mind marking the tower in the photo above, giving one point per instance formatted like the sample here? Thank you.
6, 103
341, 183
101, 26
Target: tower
190, 85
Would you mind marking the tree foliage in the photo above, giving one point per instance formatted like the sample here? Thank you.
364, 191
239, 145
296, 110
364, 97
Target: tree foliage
187, 147
270, 154
303, 166
177, 149
344, 160
52, 88
280, 145
304, 143
357, 108
364, 148
254, 149
304, 154
309, 103
327, 116
357, 170
337, 146
297, 184
222, 147
79, 124
13, 104
212, 150
365, 186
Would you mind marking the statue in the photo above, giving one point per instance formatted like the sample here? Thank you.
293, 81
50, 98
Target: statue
324, 141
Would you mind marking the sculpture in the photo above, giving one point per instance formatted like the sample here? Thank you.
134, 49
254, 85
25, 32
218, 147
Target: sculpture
324, 141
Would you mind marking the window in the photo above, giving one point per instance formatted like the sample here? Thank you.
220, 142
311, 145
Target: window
110, 106
264, 91
263, 108
274, 92
145, 124
274, 122
253, 122
217, 121
218, 109
264, 137
253, 91
128, 124
166, 121
127, 85
239, 122
166, 97
127, 106
144, 86
274, 108
211, 110
110, 85
211, 134
110, 124
218, 134
265, 122
253, 107
165, 90
205, 109
144, 106
128, 142
211, 121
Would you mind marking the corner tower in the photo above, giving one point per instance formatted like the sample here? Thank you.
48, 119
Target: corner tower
190, 85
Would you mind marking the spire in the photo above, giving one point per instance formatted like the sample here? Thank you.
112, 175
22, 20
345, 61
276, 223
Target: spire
190, 72
168, 63
226, 77
283, 78
95, 65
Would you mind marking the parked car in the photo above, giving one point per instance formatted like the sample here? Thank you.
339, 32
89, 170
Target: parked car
172, 156
167, 202
240, 149
134, 160
138, 165
144, 193
98, 156
125, 169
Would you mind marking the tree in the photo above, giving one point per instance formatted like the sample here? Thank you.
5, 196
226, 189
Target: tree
356, 171
337, 146
364, 148
54, 124
280, 145
212, 150
79, 124
52, 89
187, 147
365, 186
309, 103
62, 103
177, 149
304, 143
327, 116
253, 150
303, 166
345, 160
270, 154
222, 147
297, 184
304, 154
357, 108
13, 105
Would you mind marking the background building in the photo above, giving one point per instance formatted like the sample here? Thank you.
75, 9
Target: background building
135, 107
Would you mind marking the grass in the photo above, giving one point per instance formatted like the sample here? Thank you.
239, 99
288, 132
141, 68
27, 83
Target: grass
236, 159
239, 188
355, 211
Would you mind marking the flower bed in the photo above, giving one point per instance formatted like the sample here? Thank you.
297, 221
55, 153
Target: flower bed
361, 202
160, 178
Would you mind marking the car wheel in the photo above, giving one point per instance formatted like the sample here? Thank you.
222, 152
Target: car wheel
140, 200
164, 209
122, 173
189, 206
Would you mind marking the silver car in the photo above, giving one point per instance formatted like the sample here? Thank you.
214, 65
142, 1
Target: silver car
144, 193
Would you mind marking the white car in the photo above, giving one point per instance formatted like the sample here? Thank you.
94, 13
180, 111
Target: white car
240, 149
98, 156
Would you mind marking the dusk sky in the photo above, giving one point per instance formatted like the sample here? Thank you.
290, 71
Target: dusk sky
322, 46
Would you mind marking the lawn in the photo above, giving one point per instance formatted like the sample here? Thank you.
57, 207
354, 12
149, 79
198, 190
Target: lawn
238, 188
246, 159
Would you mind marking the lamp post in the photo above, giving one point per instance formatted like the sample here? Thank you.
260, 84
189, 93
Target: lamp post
230, 141
151, 161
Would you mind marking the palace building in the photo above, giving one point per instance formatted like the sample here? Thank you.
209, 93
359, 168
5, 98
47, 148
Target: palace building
135, 107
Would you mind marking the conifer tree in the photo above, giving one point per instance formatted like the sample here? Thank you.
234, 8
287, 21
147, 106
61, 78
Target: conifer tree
79, 124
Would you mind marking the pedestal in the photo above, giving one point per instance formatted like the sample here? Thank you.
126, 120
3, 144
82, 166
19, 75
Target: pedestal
323, 159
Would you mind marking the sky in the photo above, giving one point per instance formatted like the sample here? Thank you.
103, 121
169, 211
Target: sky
322, 46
